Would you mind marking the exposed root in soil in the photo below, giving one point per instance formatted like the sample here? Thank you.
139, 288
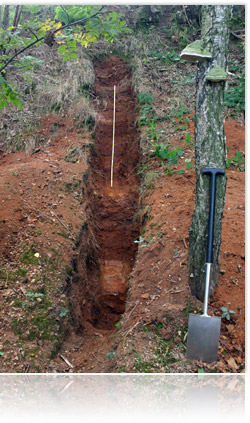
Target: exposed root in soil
106, 247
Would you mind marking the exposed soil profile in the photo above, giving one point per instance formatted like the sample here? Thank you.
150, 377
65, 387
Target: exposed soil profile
106, 246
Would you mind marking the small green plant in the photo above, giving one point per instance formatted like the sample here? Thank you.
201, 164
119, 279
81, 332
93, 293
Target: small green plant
235, 95
8, 94
189, 79
154, 134
146, 98
163, 151
31, 297
142, 366
168, 57
226, 313
147, 112
181, 128
118, 324
111, 355
179, 111
142, 169
188, 139
189, 163
29, 256
171, 56
237, 161
64, 312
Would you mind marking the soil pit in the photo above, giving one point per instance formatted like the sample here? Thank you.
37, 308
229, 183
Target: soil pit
106, 248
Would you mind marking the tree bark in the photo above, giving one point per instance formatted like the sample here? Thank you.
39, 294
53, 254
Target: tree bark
210, 148
17, 17
6, 17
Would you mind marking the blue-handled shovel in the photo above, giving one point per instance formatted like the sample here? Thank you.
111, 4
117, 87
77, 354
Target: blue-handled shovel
204, 330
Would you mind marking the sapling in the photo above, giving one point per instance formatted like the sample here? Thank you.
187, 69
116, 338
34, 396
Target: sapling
227, 313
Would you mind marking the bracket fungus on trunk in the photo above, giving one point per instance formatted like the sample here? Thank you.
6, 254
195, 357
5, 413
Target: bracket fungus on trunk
216, 74
195, 53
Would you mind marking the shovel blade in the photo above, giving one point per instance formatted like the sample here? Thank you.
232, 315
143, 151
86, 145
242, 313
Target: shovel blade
203, 337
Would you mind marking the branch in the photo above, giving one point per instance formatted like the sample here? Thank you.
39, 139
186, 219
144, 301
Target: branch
185, 13
33, 33
238, 36
79, 21
66, 13
19, 52
42, 38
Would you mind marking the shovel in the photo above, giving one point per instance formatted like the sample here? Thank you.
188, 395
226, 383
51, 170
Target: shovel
204, 330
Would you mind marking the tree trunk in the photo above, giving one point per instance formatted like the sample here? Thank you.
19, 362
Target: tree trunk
17, 17
210, 149
6, 17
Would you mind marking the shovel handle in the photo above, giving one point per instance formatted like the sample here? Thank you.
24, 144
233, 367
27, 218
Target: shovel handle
213, 174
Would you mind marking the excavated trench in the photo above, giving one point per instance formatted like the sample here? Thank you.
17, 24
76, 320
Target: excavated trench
106, 248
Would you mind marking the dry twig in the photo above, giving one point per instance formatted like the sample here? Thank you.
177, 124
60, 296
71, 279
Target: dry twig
66, 361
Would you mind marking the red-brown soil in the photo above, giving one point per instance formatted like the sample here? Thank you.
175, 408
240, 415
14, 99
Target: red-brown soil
158, 293
107, 248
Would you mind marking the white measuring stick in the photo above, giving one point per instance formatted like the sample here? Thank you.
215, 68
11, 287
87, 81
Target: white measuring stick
113, 142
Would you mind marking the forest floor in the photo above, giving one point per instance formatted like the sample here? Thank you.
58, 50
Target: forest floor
43, 210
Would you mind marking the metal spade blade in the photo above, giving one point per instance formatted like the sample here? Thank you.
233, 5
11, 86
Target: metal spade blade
204, 330
203, 337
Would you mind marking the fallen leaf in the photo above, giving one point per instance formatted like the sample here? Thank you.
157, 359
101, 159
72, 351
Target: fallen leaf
221, 366
230, 328
145, 296
239, 360
7, 292
232, 364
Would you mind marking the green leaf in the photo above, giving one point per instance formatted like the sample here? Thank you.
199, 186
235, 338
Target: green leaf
189, 165
180, 152
8, 94
64, 312
224, 309
111, 355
